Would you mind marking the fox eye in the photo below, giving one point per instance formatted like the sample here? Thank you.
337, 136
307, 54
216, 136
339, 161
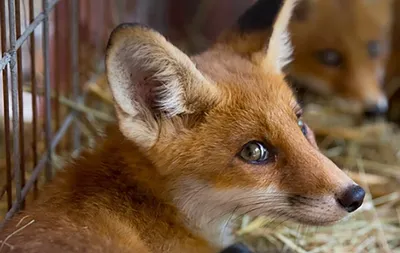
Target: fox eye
330, 57
254, 152
374, 48
303, 127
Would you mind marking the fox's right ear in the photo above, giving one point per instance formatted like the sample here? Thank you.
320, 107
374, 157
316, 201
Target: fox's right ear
262, 33
152, 81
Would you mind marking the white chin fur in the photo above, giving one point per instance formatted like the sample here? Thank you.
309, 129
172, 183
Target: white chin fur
212, 213
316, 211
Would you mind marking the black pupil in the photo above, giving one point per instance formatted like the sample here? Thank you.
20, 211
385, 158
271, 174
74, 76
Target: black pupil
330, 57
253, 151
374, 48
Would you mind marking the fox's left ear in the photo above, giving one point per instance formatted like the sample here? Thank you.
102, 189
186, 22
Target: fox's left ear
262, 33
152, 83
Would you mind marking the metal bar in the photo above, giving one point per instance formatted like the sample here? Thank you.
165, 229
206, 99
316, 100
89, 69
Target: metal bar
64, 62
47, 87
43, 161
6, 107
34, 94
25, 35
57, 68
75, 64
89, 22
39, 167
5, 60
107, 23
41, 17
14, 100
28, 31
20, 102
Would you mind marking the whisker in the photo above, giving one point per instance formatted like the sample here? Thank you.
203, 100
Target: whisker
228, 221
268, 212
259, 200
193, 195
260, 205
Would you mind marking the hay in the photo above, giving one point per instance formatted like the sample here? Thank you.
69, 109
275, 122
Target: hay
370, 154
4, 242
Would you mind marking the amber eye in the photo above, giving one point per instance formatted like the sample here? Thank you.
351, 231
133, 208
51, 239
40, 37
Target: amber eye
330, 57
374, 48
254, 152
302, 126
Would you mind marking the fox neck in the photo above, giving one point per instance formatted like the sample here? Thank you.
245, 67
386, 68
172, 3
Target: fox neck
131, 188
206, 223
206, 216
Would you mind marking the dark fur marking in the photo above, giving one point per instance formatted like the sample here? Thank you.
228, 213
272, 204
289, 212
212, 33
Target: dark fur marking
260, 16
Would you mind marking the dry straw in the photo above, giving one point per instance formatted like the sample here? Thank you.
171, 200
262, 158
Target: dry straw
370, 153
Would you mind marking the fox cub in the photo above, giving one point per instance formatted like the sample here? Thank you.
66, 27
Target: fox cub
341, 48
392, 84
200, 141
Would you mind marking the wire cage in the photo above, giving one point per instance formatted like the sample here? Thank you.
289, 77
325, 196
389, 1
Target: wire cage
53, 89
54, 101
42, 77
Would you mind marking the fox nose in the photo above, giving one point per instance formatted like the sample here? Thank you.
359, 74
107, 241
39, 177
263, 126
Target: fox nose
237, 248
352, 198
378, 109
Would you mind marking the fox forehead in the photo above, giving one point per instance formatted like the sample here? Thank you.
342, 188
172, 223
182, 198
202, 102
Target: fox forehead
245, 85
359, 21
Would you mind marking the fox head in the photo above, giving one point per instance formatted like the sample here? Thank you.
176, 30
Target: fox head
340, 48
223, 129
392, 82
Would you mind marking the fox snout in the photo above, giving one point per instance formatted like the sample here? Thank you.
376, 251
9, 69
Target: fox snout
319, 192
237, 248
377, 108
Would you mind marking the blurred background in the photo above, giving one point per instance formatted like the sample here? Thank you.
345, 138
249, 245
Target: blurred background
54, 98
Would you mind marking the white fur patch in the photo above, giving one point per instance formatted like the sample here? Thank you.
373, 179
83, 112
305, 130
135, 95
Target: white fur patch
285, 51
280, 49
212, 213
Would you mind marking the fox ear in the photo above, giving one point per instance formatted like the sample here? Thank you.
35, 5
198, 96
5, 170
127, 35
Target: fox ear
151, 80
262, 33
303, 10
280, 50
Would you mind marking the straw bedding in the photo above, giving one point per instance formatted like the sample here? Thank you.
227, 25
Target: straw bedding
369, 152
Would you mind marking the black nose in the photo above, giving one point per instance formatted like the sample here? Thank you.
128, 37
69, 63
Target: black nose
237, 248
375, 111
352, 198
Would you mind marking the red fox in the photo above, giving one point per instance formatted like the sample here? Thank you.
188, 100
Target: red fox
392, 84
200, 141
341, 48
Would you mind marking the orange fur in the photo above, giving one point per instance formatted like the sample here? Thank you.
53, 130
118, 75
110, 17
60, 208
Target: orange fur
168, 177
346, 26
392, 84
393, 66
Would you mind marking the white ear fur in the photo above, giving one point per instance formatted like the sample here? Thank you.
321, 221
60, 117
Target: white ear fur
149, 77
280, 50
